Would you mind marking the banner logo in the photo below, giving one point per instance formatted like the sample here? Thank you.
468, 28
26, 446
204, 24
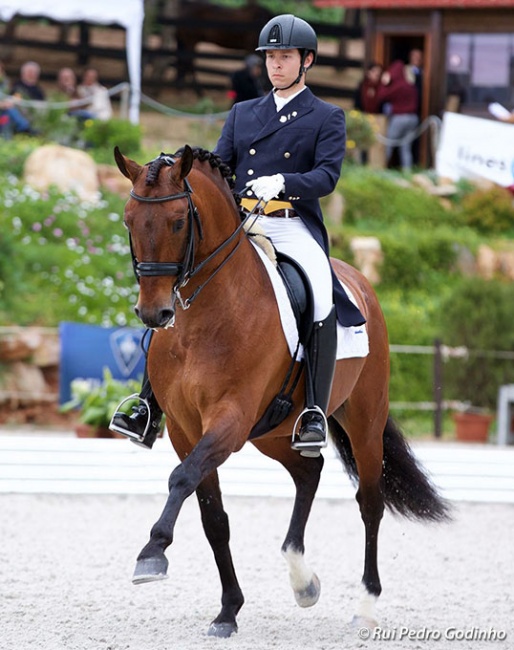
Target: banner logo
126, 349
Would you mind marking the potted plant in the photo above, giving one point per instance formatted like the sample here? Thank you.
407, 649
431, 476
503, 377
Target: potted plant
97, 401
476, 321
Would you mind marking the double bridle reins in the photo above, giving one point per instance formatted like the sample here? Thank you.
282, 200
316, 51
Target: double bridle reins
186, 269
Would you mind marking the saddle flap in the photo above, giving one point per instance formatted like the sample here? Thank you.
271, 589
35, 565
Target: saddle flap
299, 291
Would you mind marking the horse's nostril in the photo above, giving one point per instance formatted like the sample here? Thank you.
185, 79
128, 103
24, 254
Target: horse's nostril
165, 316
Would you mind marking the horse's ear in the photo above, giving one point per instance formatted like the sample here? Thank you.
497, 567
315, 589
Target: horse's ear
186, 161
127, 167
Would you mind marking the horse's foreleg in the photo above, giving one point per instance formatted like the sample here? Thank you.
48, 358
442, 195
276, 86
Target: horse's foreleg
205, 457
216, 527
305, 473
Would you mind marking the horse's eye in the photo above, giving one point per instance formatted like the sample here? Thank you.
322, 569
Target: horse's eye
178, 225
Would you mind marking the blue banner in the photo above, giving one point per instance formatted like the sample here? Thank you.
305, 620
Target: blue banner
87, 349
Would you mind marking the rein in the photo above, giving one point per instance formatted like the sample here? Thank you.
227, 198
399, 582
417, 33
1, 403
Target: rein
186, 269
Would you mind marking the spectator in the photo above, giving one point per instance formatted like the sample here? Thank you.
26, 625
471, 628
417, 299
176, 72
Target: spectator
27, 86
100, 106
10, 117
402, 97
365, 99
67, 86
247, 83
415, 67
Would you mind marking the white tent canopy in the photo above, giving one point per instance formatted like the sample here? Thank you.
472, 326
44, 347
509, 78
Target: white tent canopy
128, 13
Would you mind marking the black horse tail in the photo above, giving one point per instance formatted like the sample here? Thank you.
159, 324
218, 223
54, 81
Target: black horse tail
407, 489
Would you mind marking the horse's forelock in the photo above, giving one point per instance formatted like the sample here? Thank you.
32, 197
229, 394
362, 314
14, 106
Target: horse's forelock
154, 168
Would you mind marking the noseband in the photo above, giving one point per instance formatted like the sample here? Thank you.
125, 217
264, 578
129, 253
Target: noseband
186, 269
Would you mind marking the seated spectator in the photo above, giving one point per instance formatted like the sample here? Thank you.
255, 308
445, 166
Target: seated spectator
27, 86
100, 106
247, 83
11, 119
67, 87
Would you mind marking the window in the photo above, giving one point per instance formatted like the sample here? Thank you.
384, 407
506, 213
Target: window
480, 69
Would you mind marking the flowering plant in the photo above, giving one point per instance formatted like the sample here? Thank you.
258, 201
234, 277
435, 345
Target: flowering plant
97, 401
360, 130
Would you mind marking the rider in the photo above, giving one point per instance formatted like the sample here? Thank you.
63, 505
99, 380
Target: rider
286, 149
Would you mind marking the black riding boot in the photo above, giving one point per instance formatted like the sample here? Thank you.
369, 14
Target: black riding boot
320, 366
143, 426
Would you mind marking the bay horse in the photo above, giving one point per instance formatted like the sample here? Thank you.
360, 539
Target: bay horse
216, 360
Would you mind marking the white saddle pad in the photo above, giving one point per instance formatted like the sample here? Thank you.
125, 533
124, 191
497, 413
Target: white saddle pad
351, 341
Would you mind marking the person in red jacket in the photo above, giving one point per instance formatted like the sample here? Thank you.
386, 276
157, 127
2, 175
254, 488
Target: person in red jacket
399, 92
366, 95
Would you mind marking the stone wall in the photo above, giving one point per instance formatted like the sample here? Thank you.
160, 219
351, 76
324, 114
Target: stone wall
29, 375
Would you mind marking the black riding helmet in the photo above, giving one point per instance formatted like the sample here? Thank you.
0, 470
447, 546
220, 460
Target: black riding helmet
287, 32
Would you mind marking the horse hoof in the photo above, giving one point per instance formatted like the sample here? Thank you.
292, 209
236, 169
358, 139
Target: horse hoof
358, 622
310, 595
222, 630
150, 569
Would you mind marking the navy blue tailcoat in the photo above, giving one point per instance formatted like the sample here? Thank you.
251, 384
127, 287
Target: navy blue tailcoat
305, 142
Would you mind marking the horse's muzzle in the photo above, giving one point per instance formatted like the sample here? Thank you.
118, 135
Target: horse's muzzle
160, 318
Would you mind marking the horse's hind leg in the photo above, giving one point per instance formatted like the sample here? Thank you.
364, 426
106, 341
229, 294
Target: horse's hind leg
305, 473
363, 458
216, 527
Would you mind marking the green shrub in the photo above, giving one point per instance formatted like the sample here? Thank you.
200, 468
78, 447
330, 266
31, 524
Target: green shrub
14, 153
359, 130
377, 199
414, 257
55, 125
478, 315
490, 211
106, 135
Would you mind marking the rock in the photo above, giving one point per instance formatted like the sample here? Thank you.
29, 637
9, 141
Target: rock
25, 381
19, 344
48, 353
113, 180
367, 252
335, 208
466, 263
488, 264
507, 264
423, 181
65, 168
443, 190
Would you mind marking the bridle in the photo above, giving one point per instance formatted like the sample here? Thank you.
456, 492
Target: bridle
186, 269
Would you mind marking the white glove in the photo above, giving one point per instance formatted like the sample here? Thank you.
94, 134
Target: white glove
267, 187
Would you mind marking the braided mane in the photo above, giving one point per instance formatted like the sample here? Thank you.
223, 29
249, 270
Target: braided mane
203, 155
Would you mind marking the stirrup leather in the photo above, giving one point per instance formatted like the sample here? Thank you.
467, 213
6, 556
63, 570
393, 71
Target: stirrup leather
125, 432
296, 443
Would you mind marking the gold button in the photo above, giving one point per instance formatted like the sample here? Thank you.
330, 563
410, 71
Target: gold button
287, 154
252, 152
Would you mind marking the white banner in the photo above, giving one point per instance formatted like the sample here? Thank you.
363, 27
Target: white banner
471, 147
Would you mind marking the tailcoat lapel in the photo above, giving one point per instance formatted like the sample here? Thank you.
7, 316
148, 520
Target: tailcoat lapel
265, 113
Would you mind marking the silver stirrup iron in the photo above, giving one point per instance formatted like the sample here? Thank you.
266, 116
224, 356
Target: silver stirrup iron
296, 443
124, 432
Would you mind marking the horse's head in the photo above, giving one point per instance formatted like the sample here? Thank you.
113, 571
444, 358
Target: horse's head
160, 218
169, 243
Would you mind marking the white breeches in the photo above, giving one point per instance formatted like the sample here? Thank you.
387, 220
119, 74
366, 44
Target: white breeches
292, 237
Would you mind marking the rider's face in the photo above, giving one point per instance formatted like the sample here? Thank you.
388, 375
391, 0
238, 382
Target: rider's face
282, 66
